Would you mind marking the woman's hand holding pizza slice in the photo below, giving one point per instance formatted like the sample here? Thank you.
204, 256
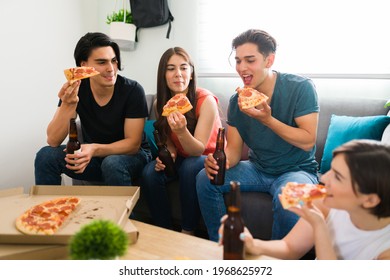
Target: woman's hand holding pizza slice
178, 103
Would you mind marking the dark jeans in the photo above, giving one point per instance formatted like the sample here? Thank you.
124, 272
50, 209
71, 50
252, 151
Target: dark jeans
154, 188
114, 170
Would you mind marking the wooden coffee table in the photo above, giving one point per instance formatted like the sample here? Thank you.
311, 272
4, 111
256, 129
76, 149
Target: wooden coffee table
155, 243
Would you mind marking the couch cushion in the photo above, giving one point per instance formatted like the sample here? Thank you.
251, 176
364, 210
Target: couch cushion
345, 128
345, 106
149, 128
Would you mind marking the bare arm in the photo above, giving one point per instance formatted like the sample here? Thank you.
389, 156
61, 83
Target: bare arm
129, 145
234, 145
297, 242
314, 214
233, 152
195, 144
304, 136
57, 130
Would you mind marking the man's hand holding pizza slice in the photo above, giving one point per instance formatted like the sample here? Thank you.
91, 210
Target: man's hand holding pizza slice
78, 73
249, 97
254, 104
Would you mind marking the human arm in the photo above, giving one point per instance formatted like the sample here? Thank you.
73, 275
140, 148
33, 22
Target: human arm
58, 128
130, 144
384, 255
314, 214
303, 136
171, 148
233, 152
297, 242
195, 145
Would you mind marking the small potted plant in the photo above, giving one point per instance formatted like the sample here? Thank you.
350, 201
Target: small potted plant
98, 240
122, 29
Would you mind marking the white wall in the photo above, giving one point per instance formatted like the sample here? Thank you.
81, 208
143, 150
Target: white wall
37, 42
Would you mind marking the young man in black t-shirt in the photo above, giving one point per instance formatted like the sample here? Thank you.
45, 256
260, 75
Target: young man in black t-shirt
112, 110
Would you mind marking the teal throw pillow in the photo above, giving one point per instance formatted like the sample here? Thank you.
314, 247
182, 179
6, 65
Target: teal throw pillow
345, 128
149, 128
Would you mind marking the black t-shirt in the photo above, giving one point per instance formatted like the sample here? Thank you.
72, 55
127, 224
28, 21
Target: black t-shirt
105, 124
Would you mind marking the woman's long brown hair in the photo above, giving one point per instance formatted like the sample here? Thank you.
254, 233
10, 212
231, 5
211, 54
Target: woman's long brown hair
164, 93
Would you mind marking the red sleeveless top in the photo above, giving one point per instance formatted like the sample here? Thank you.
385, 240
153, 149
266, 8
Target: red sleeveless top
201, 95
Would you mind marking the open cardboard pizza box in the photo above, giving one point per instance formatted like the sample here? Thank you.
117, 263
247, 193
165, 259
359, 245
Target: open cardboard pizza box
97, 202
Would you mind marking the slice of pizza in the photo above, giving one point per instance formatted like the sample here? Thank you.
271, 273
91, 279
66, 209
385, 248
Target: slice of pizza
178, 102
295, 194
249, 97
78, 73
47, 217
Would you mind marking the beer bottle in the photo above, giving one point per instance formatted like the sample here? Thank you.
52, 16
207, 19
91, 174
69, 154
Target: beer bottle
233, 246
164, 155
73, 146
220, 157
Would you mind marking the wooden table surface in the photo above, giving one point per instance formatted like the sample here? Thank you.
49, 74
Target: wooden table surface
155, 243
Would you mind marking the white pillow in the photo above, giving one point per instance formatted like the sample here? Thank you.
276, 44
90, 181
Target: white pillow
386, 135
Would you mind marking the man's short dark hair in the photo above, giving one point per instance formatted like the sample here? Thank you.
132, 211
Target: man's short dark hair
91, 41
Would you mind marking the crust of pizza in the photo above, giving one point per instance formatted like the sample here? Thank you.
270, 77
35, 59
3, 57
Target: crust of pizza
78, 73
249, 97
47, 217
178, 102
295, 194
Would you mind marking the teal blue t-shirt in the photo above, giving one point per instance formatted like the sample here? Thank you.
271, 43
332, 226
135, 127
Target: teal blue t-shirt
294, 96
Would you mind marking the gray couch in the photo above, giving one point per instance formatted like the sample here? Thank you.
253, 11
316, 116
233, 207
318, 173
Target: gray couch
257, 207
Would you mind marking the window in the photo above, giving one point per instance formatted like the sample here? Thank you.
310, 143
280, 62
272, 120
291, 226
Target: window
333, 37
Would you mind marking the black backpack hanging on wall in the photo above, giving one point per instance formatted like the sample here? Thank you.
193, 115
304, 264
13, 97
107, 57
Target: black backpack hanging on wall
150, 13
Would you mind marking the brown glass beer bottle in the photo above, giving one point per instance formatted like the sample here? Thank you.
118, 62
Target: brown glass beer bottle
73, 146
220, 157
164, 155
233, 246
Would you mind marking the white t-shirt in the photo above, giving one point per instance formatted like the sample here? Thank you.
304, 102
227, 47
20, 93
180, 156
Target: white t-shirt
351, 243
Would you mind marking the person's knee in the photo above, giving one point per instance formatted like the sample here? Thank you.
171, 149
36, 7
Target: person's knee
201, 181
110, 164
47, 154
149, 175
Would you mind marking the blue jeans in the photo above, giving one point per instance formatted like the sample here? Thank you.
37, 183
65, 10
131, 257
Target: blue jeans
212, 203
154, 188
114, 170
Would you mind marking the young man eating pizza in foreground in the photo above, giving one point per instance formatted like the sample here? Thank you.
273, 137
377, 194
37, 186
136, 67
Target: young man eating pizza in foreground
112, 110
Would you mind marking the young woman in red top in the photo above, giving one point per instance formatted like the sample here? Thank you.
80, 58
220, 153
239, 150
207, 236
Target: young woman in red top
189, 138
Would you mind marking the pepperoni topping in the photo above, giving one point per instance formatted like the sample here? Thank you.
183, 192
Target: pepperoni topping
47, 217
182, 102
246, 93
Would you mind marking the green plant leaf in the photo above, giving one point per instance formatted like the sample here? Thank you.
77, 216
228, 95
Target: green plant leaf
119, 16
100, 239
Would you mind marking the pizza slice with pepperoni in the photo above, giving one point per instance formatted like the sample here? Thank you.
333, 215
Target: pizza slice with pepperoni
249, 97
295, 194
178, 102
47, 217
78, 73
